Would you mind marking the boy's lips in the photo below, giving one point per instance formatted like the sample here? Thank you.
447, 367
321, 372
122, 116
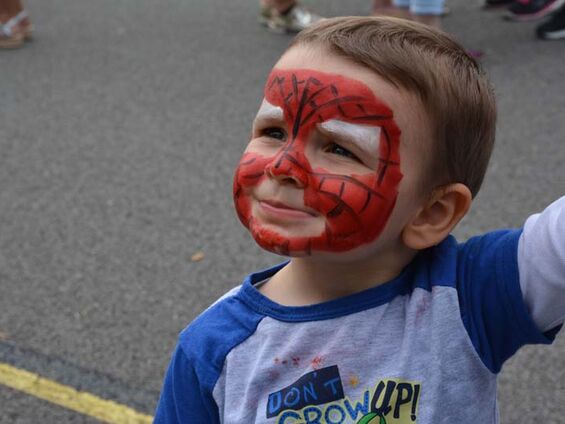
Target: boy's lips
274, 207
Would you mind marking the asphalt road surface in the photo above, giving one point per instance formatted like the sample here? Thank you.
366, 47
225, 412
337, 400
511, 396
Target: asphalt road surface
120, 127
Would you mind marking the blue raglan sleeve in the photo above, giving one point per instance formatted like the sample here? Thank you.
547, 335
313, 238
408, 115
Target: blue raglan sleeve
493, 309
188, 390
186, 396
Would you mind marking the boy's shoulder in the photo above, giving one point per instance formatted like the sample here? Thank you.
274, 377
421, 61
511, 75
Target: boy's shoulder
450, 262
233, 316
218, 329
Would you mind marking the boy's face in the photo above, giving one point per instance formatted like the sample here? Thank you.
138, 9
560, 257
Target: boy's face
323, 168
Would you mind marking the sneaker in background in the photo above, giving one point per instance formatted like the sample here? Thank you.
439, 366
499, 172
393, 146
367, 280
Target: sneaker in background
554, 28
531, 10
294, 20
15, 30
10, 40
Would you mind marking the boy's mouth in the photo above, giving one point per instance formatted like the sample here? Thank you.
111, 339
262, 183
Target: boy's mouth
280, 208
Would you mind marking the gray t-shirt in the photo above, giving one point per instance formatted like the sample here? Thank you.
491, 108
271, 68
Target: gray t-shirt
424, 348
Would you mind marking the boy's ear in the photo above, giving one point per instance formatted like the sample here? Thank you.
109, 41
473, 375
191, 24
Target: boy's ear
435, 220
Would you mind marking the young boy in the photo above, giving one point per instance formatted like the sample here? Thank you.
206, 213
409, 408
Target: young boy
371, 141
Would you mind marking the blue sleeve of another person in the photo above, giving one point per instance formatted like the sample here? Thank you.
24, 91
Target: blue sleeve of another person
492, 306
184, 397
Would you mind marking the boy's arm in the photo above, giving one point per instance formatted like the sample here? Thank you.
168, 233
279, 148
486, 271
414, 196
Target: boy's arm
511, 286
541, 264
186, 396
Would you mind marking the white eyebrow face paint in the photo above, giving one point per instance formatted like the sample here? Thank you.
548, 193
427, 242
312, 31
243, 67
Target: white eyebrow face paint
268, 111
366, 137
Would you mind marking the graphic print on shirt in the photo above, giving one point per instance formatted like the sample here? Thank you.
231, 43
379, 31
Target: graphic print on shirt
318, 398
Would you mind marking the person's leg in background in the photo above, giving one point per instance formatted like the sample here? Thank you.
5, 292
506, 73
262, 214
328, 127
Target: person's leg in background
387, 8
281, 6
285, 15
428, 12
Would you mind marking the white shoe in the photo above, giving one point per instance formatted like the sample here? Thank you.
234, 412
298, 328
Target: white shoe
295, 20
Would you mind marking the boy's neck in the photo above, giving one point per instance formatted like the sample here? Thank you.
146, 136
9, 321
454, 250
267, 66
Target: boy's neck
308, 281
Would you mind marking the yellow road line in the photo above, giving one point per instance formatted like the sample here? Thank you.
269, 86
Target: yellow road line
67, 397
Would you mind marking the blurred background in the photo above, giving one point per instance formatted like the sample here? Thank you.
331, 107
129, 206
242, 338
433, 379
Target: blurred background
120, 127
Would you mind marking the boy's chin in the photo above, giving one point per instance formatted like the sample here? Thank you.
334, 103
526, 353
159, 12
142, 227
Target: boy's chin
284, 245
280, 247
309, 247
277, 250
304, 246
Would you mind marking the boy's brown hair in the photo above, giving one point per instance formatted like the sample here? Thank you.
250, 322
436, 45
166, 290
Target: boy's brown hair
452, 88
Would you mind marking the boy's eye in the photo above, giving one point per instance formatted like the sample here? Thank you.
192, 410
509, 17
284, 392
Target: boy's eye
336, 149
274, 132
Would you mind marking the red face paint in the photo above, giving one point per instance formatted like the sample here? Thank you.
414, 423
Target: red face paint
356, 208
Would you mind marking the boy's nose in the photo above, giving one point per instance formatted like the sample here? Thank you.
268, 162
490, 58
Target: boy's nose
289, 168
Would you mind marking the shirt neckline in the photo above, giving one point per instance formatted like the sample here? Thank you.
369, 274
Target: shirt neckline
347, 305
